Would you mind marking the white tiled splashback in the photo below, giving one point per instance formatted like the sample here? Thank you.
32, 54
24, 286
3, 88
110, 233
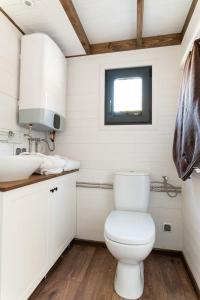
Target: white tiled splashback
10, 147
6, 149
9, 143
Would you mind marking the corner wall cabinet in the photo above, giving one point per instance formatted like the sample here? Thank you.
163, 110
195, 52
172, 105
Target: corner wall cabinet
37, 223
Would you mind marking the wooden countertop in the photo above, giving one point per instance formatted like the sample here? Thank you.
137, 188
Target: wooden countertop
11, 185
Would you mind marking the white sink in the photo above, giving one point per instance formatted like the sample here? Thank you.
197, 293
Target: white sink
17, 167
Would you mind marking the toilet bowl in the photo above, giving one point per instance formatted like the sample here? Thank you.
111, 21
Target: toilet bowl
129, 232
130, 237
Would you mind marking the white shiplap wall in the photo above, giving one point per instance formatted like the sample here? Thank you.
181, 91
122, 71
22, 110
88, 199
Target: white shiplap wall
103, 150
191, 188
191, 224
9, 76
9, 84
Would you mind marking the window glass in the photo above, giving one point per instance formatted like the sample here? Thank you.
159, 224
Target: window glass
128, 95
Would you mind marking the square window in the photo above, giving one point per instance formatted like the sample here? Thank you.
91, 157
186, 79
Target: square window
128, 96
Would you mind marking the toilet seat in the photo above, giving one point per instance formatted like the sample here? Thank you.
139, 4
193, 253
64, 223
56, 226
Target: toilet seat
130, 228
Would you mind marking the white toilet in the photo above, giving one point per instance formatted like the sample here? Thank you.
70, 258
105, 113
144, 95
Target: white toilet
130, 232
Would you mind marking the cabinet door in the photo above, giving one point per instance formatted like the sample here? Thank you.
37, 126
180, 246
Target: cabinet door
24, 241
70, 183
62, 217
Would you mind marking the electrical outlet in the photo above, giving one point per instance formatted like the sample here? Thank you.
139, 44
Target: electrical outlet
167, 227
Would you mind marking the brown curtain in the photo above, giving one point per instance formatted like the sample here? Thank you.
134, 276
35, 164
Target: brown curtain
186, 147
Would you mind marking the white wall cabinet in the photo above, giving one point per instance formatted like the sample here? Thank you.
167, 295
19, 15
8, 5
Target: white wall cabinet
37, 222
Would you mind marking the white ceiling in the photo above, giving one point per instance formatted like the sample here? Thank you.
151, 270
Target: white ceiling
103, 20
164, 16
107, 20
112, 20
45, 16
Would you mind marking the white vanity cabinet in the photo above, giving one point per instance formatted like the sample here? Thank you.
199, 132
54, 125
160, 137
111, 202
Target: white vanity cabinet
62, 216
36, 225
23, 241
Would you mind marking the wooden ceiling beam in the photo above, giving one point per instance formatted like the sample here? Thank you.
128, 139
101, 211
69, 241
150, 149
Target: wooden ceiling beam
140, 15
11, 20
147, 42
125, 45
76, 23
189, 16
113, 46
162, 40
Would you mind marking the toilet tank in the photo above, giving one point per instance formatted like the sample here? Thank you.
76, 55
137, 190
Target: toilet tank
43, 80
132, 191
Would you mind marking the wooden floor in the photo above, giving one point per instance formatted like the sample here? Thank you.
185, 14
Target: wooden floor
86, 272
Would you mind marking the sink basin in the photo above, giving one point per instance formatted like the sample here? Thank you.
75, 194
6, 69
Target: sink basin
14, 168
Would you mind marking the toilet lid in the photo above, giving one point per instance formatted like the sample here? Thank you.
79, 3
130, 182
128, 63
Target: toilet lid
131, 228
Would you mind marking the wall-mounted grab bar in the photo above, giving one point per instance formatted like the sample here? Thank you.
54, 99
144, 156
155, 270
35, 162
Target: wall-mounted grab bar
156, 186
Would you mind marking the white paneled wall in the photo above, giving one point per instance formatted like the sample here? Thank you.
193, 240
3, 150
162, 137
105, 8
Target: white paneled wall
104, 149
191, 224
9, 72
191, 188
9, 84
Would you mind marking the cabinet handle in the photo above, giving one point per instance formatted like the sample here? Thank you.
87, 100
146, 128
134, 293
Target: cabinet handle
55, 189
52, 190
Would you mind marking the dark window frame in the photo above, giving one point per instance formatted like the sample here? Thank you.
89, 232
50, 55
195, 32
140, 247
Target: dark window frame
128, 118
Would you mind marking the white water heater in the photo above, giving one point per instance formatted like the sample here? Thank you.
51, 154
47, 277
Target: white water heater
43, 81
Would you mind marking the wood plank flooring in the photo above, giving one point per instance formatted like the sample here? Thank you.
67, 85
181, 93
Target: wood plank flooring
86, 272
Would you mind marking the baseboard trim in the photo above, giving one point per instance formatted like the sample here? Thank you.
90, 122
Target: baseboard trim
190, 275
176, 253
98, 243
88, 242
167, 252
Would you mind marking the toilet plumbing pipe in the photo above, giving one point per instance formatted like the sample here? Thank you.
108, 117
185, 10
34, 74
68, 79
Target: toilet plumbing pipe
156, 186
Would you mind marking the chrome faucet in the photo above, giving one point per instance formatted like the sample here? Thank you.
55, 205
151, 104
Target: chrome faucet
39, 140
31, 140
